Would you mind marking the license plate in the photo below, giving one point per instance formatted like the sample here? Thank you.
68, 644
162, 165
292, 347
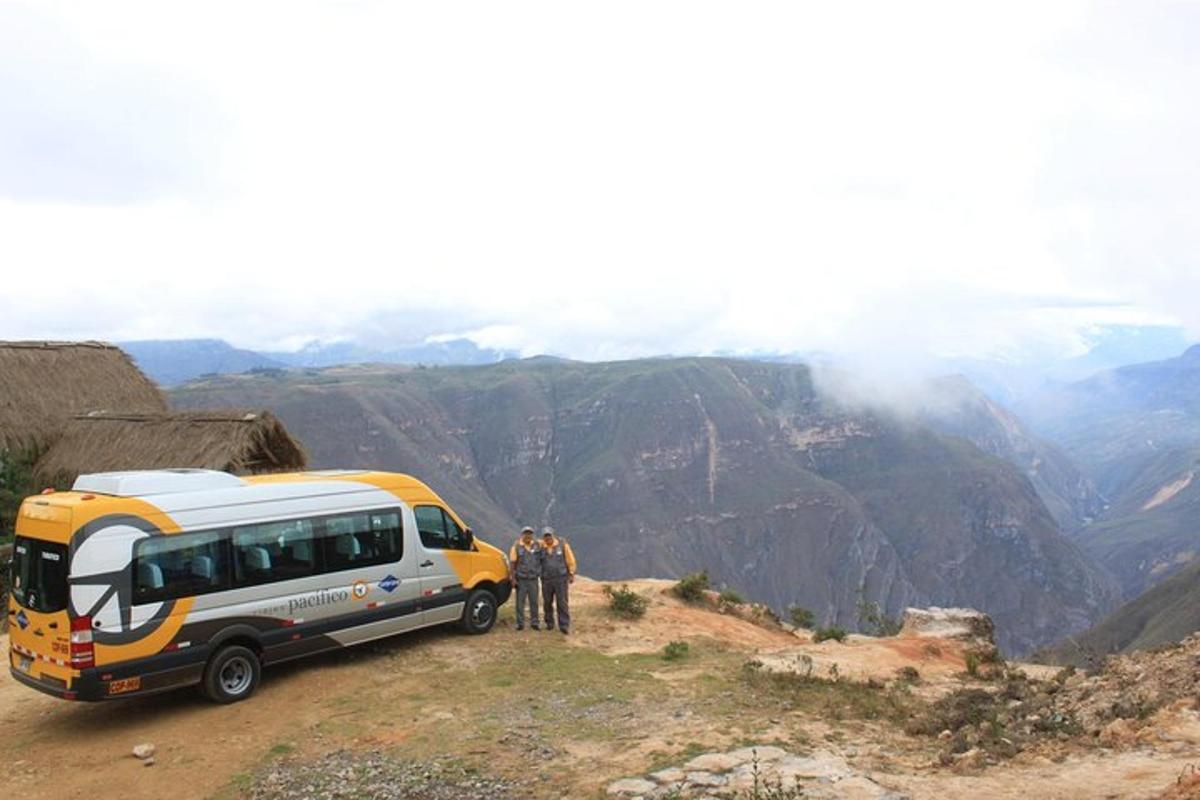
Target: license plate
124, 685
24, 663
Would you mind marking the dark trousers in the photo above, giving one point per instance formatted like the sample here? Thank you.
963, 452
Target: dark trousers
527, 592
554, 594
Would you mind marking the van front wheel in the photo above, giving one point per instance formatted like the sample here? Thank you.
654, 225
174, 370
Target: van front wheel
232, 674
479, 614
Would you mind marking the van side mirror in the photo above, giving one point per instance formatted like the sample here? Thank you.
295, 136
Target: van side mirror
469, 537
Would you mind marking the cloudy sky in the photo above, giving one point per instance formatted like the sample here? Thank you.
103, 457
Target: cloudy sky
600, 180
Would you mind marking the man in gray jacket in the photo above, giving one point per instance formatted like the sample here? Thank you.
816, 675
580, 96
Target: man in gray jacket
525, 559
558, 572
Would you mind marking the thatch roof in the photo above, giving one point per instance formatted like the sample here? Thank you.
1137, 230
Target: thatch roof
44, 384
242, 442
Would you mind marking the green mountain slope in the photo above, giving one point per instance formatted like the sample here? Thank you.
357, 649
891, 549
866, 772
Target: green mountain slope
1165, 614
660, 467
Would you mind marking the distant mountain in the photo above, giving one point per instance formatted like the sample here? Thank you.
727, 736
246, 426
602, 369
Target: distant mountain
172, 361
453, 351
664, 466
1135, 431
956, 407
1167, 613
1109, 347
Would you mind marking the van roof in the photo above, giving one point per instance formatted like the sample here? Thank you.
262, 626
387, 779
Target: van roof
146, 483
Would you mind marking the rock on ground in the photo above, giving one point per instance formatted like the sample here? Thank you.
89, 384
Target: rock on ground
772, 769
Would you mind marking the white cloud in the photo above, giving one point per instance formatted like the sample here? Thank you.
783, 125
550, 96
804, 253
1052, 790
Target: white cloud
614, 180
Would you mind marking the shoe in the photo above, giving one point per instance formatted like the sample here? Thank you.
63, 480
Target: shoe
522, 627
564, 631
536, 627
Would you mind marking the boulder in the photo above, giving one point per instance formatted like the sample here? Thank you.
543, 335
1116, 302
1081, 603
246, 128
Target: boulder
631, 787
974, 628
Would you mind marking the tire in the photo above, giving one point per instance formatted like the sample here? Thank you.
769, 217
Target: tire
232, 674
479, 612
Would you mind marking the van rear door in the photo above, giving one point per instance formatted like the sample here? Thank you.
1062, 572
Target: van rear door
39, 625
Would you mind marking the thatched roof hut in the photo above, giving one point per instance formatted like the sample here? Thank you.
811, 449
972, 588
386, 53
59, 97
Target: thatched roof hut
44, 384
241, 442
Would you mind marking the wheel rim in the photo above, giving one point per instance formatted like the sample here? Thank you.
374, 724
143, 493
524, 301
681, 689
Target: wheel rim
481, 612
237, 675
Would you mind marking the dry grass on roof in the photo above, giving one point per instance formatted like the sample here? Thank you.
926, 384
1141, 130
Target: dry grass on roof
44, 384
238, 441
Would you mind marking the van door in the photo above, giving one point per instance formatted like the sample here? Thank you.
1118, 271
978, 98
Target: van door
38, 622
442, 590
371, 554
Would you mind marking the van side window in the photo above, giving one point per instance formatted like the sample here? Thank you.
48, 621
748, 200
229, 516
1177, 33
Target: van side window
179, 565
438, 529
273, 551
363, 539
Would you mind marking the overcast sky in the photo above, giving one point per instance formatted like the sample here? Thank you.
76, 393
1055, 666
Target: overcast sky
602, 180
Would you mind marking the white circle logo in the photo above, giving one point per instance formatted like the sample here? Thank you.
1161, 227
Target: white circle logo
359, 590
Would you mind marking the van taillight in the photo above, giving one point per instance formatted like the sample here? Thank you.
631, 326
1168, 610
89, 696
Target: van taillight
83, 655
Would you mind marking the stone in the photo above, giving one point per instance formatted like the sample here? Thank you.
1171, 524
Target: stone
630, 787
671, 775
713, 762
946, 735
144, 750
705, 779
148, 762
821, 765
764, 753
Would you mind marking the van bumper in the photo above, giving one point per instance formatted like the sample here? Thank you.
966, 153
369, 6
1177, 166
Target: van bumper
145, 676
85, 687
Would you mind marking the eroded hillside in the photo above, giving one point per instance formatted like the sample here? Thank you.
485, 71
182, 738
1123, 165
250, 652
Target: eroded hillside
663, 467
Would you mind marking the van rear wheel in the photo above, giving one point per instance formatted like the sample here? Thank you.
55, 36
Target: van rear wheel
232, 674
479, 613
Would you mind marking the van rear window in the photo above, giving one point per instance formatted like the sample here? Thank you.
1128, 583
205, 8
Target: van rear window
39, 575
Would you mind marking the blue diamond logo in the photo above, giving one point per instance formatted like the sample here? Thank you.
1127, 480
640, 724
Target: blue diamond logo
22, 620
389, 583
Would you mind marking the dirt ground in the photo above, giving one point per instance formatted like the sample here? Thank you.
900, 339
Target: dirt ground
593, 707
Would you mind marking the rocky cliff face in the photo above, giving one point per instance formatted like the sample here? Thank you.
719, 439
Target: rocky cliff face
660, 467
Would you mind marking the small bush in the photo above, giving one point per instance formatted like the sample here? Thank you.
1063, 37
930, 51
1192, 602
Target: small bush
625, 603
674, 651
691, 588
908, 675
832, 632
802, 617
732, 597
874, 622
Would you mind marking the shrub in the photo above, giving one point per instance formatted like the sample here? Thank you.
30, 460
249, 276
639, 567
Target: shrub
832, 632
874, 622
972, 663
675, 650
802, 617
908, 675
691, 588
732, 597
625, 603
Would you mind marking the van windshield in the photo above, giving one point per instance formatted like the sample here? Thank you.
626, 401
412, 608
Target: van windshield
39, 575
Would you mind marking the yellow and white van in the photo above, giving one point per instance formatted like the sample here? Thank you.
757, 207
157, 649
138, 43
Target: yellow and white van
137, 582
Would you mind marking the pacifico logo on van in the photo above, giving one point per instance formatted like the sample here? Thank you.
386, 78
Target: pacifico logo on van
323, 597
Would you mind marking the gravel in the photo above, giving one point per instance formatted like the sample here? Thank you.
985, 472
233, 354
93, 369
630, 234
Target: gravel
374, 775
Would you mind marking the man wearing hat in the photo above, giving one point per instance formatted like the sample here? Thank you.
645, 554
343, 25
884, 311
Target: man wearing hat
558, 571
525, 559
